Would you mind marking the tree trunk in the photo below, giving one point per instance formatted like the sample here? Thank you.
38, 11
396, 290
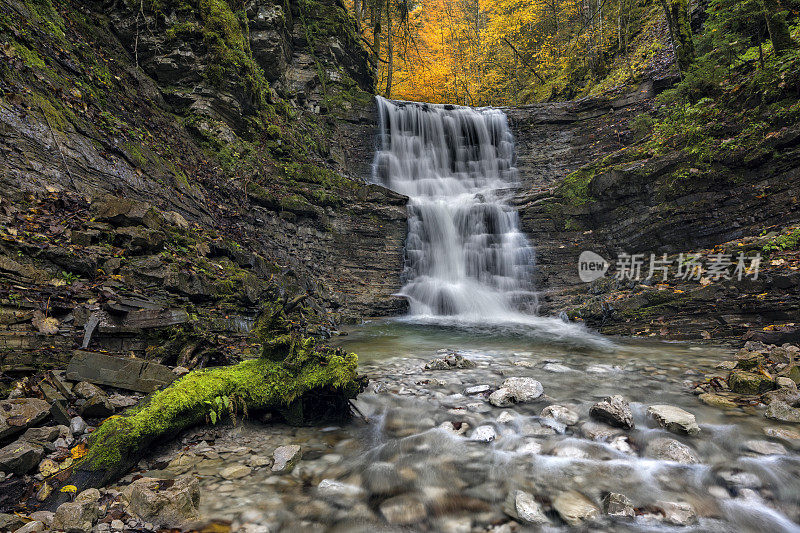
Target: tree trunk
358, 14
680, 31
376, 38
389, 50
776, 24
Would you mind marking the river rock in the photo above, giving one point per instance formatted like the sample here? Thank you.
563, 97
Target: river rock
77, 425
522, 506
782, 412
674, 419
18, 414
764, 447
616, 504
504, 418
10, 522
171, 506
97, 403
403, 510
788, 436
677, 513
383, 478
20, 457
41, 435
339, 493
235, 472
562, 414
598, 431
285, 457
743, 382
483, 434
574, 507
614, 410
449, 362
516, 390
716, 400
76, 517
45, 517
667, 449
31, 527
477, 389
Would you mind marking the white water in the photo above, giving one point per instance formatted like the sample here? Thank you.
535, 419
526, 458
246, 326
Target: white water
467, 262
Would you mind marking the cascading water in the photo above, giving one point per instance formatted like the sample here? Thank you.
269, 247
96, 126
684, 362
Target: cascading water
465, 255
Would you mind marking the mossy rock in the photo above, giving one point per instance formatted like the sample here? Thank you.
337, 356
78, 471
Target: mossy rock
742, 382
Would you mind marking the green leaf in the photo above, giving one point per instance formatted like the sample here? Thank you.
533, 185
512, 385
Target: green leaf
213, 416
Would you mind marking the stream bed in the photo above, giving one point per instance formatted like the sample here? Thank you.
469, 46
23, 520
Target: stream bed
431, 452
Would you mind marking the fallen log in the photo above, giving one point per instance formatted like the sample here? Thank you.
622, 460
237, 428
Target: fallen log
311, 383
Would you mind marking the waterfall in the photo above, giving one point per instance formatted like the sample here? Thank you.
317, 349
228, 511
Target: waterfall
466, 257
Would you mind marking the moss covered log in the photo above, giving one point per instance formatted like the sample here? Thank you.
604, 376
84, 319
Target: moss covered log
312, 383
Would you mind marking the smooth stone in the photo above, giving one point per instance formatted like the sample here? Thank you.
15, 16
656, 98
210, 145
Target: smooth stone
505, 417
522, 506
715, 400
782, 412
403, 510
88, 495
764, 447
616, 504
477, 389
674, 419
561, 414
45, 517
516, 390
31, 527
598, 431
383, 478
342, 494
614, 410
677, 513
574, 507
117, 525
285, 457
557, 368
235, 472
77, 425
789, 436
483, 434
667, 449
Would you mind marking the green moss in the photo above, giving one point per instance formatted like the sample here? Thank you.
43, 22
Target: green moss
574, 189
787, 241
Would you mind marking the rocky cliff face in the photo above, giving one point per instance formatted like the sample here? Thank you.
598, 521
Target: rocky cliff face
232, 125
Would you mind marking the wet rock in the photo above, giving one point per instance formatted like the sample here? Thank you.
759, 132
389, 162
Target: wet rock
459, 428
742, 382
76, 517
122, 372
614, 410
597, 431
715, 400
621, 443
764, 447
77, 426
556, 367
449, 362
403, 510
516, 390
341, 494
785, 383
530, 447
677, 513
166, 504
616, 504
18, 414
782, 412
235, 472
383, 478
667, 449
20, 457
477, 389
483, 434
574, 507
97, 404
523, 507
505, 417
285, 457
562, 414
31, 527
789, 436
674, 419
40, 435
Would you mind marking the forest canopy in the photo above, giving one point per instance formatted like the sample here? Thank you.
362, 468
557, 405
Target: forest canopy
495, 52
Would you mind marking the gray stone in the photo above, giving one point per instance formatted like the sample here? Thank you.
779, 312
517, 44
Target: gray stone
88, 495
339, 493
483, 434
598, 431
77, 425
526, 509
449, 362
667, 449
574, 507
117, 525
45, 517
516, 390
562, 414
171, 506
31, 527
285, 457
614, 410
123, 372
677, 513
383, 478
616, 504
18, 414
764, 447
20, 457
43, 434
477, 389
76, 517
674, 419
97, 404
403, 510
782, 412
505, 417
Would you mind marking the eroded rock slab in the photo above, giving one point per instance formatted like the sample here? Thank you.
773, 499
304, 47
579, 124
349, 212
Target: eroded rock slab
124, 373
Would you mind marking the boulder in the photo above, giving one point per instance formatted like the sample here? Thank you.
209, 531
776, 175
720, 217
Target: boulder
516, 390
574, 507
76, 517
122, 372
20, 457
782, 412
20, 413
742, 382
163, 504
403, 510
10, 522
616, 504
285, 457
562, 414
674, 419
667, 449
614, 410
